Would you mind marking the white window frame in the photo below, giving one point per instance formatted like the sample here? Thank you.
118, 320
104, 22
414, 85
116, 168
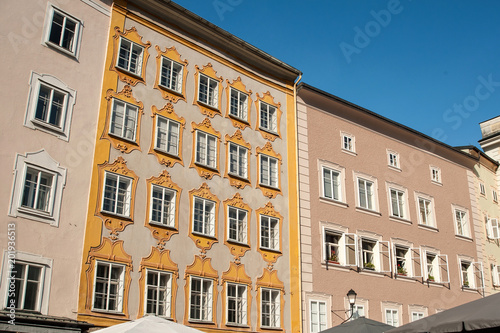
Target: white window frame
171, 143
74, 50
166, 209
390, 314
428, 211
36, 82
467, 278
268, 117
42, 162
171, 71
207, 221
494, 195
127, 196
482, 189
240, 304
274, 306
317, 317
42, 302
272, 236
206, 150
462, 225
205, 305
238, 104
208, 92
356, 311
131, 48
398, 203
492, 228
495, 275
120, 283
158, 289
393, 159
239, 223
238, 161
130, 113
416, 315
334, 186
268, 175
435, 174
370, 197
439, 266
406, 259
347, 142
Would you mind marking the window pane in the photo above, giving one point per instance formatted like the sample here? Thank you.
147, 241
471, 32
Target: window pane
56, 28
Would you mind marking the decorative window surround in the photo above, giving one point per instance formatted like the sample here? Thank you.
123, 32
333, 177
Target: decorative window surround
417, 312
166, 136
239, 102
366, 192
406, 260
238, 160
208, 90
435, 266
47, 168
435, 175
62, 31
398, 201
130, 66
171, 74
312, 316
108, 287
50, 105
393, 160
471, 273
202, 131
270, 309
201, 299
237, 226
272, 221
268, 116
266, 156
495, 275
492, 228
236, 308
461, 221
348, 143
317, 316
202, 195
332, 177
425, 210
392, 313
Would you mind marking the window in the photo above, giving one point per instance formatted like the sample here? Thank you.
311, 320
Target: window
492, 228
368, 254
403, 260
27, 280
238, 160
206, 149
318, 316
333, 248
162, 206
268, 117
426, 215
392, 317
348, 142
358, 311
158, 293
331, 184
167, 135
268, 171
416, 315
467, 274
340, 248
238, 104
270, 308
495, 196
366, 194
130, 57
50, 106
208, 91
117, 194
38, 190
237, 225
171, 75
236, 304
398, 206
123, 120
269, 233
393, 159
436, 267
201, 299
204, 217
108, 287
435, 174
462, 223
62, 31
374, 254
482, 189
495, 275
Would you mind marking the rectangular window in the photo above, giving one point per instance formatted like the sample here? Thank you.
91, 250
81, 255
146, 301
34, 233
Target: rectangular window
206, 149
208, 91
238, 160
204, 217
38, 190
368, 252
495, 196
130, 57
162, 206
123, 120
117, 194
416, 316
270, 308
467, 274
27, 281
268, 117
436, 267
236, 304
239, 105
398, 203
333, 248
201, 299
158, 293
365, 192
268, 171
425, 212
462, 223
171, 75
495, 275
108, 286
331, 184
436, 174
167, 136
402, 260
358, 311
348, 142
237, 225
269, 233
51, 106
318, 316
392, 317
393, 159
482, 189
63, 31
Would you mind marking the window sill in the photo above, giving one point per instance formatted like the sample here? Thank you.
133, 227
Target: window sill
127, 72
436, 183
106, 312
199, 234
270, 187
368, 211
268, 131
244, 121
211, 107
35, 212
175, 92
269, 250
161, 225
400, 220
271, 328
405, 278
200, 321
464, 238
434, 283
237, 177
428, 227
394, 168
469, 289
52, 45
235, 242
237, 325
349, 152
198, 164
365, 271
338, 266
47, 126
111, 214
333, 202
161, 151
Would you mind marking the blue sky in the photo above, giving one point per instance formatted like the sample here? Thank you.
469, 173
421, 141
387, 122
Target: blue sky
430, 65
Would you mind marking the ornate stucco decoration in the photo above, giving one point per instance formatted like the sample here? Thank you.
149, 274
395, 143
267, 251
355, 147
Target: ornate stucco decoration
235, 179
236, 274
268, 133
238, 249
204, 241
267, 150
205, 128
214, 108
242, 120
270, 254
269, 279
172, 95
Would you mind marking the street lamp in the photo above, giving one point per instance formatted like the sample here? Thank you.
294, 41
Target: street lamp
351, 296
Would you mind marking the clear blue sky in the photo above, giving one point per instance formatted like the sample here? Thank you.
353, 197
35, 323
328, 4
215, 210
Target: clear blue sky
430, 65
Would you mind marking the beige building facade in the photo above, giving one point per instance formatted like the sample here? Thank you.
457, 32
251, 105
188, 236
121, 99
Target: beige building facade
385, 211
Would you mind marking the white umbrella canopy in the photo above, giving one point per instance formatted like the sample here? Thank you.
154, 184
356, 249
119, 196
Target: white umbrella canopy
149, 324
